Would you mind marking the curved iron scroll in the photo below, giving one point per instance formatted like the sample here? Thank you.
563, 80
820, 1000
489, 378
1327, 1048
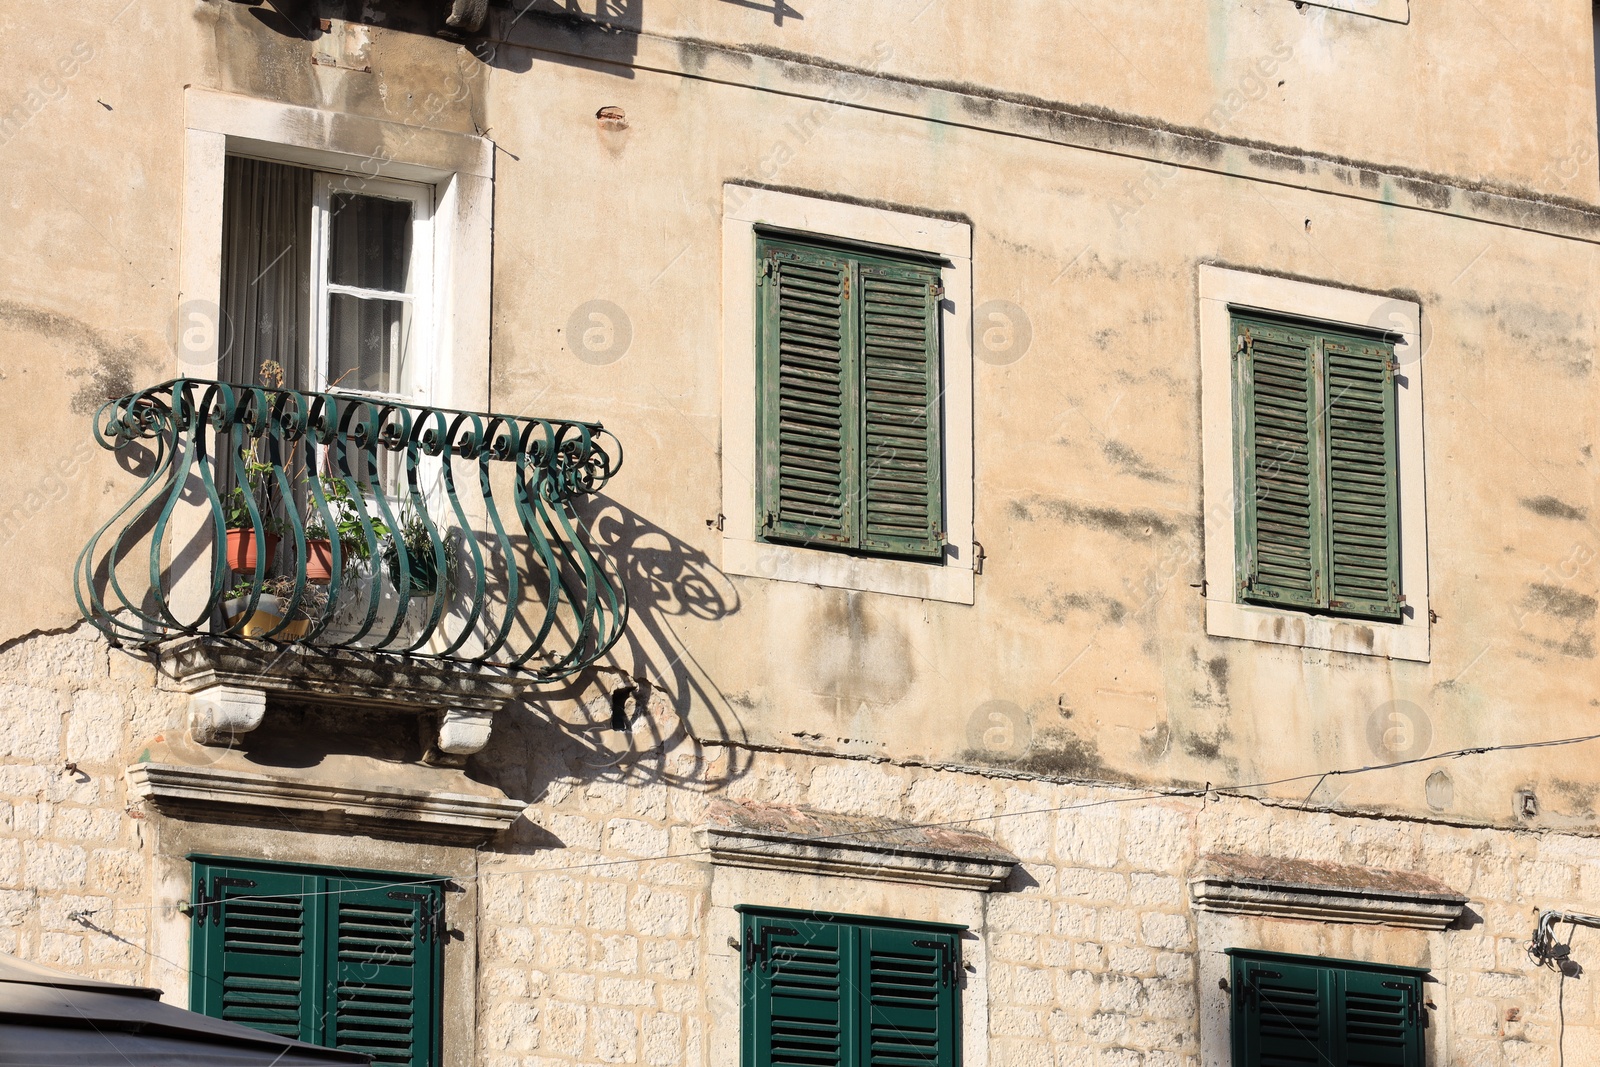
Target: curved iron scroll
534, 594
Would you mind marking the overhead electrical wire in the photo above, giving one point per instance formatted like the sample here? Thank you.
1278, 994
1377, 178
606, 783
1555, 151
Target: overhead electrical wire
1146, 795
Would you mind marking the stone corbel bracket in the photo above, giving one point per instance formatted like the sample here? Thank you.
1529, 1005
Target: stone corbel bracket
1318, 891
228, 683
853, 846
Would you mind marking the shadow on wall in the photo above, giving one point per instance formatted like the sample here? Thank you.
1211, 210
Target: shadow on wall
628, 722
302, 18
597, 35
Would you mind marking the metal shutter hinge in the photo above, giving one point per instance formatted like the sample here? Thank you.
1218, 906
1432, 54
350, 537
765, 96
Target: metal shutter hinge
758, 949
430, 924
949, 959
212, 903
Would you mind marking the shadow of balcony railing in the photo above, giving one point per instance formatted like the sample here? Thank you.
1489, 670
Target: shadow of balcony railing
350, 522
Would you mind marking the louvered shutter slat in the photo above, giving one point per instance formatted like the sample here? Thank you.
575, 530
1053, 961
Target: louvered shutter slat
808, 396
1363, 496
257, 943
911, 995
382, 973
1286, 1019
1382, 1020
1280, 475
795, 1006
902, 506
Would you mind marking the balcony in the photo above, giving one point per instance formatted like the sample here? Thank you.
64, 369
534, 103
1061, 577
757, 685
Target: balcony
342, 547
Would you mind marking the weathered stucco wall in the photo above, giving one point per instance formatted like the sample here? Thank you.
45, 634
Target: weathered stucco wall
1445, 93
1086, 630
1087, 627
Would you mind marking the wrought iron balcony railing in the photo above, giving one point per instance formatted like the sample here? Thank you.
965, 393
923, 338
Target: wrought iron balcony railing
342, 521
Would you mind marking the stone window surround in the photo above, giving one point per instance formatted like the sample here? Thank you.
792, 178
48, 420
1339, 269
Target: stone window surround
743, 553
459, 166
733, 886
1317, 909
175, 841
1221, 290
1217, 932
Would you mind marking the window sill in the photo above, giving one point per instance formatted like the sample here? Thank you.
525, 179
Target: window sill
1363, 637
952, 582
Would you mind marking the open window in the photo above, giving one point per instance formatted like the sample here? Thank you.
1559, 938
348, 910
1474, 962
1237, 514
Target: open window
330, 277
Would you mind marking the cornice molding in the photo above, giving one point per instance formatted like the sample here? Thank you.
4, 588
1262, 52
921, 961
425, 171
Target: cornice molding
850, 846
1323, 892
228, 794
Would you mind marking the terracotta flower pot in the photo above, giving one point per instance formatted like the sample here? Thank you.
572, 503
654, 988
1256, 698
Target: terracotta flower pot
242, 549
319, 560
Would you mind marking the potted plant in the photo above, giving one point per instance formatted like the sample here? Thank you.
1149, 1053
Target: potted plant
271, 607
421, 567
346, 526
243, 550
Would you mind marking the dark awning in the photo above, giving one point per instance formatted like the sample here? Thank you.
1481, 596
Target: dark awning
48, 1017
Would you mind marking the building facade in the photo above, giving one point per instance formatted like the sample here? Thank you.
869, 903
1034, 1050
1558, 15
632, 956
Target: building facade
1103, 570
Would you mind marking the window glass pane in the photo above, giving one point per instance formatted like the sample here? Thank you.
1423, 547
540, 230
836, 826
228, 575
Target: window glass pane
369, 242
369, 344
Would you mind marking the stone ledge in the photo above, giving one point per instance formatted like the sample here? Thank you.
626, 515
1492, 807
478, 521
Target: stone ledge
231, 794
192, 664
853, 846
1323, 892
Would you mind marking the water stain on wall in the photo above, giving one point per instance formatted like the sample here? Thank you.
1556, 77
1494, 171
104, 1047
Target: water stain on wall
112, 365
1134, 523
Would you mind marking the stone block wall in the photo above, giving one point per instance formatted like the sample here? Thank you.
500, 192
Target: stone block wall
598, 937
74, 870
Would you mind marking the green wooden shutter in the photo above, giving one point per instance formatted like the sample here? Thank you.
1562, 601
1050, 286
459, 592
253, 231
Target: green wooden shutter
1281, 466
1286, 1017
912, 984
1382, 1021
1363, 495
902, 510
1288, 1014
797, 1009
809, 400
383, 970
256, 950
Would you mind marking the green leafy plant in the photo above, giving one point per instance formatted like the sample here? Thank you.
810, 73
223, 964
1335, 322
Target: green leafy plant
421, 565
254, 476
346, 515
258, 484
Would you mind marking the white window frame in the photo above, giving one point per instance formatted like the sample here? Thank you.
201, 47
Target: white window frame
420, 275
1223, 292
743, 551
458, 166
